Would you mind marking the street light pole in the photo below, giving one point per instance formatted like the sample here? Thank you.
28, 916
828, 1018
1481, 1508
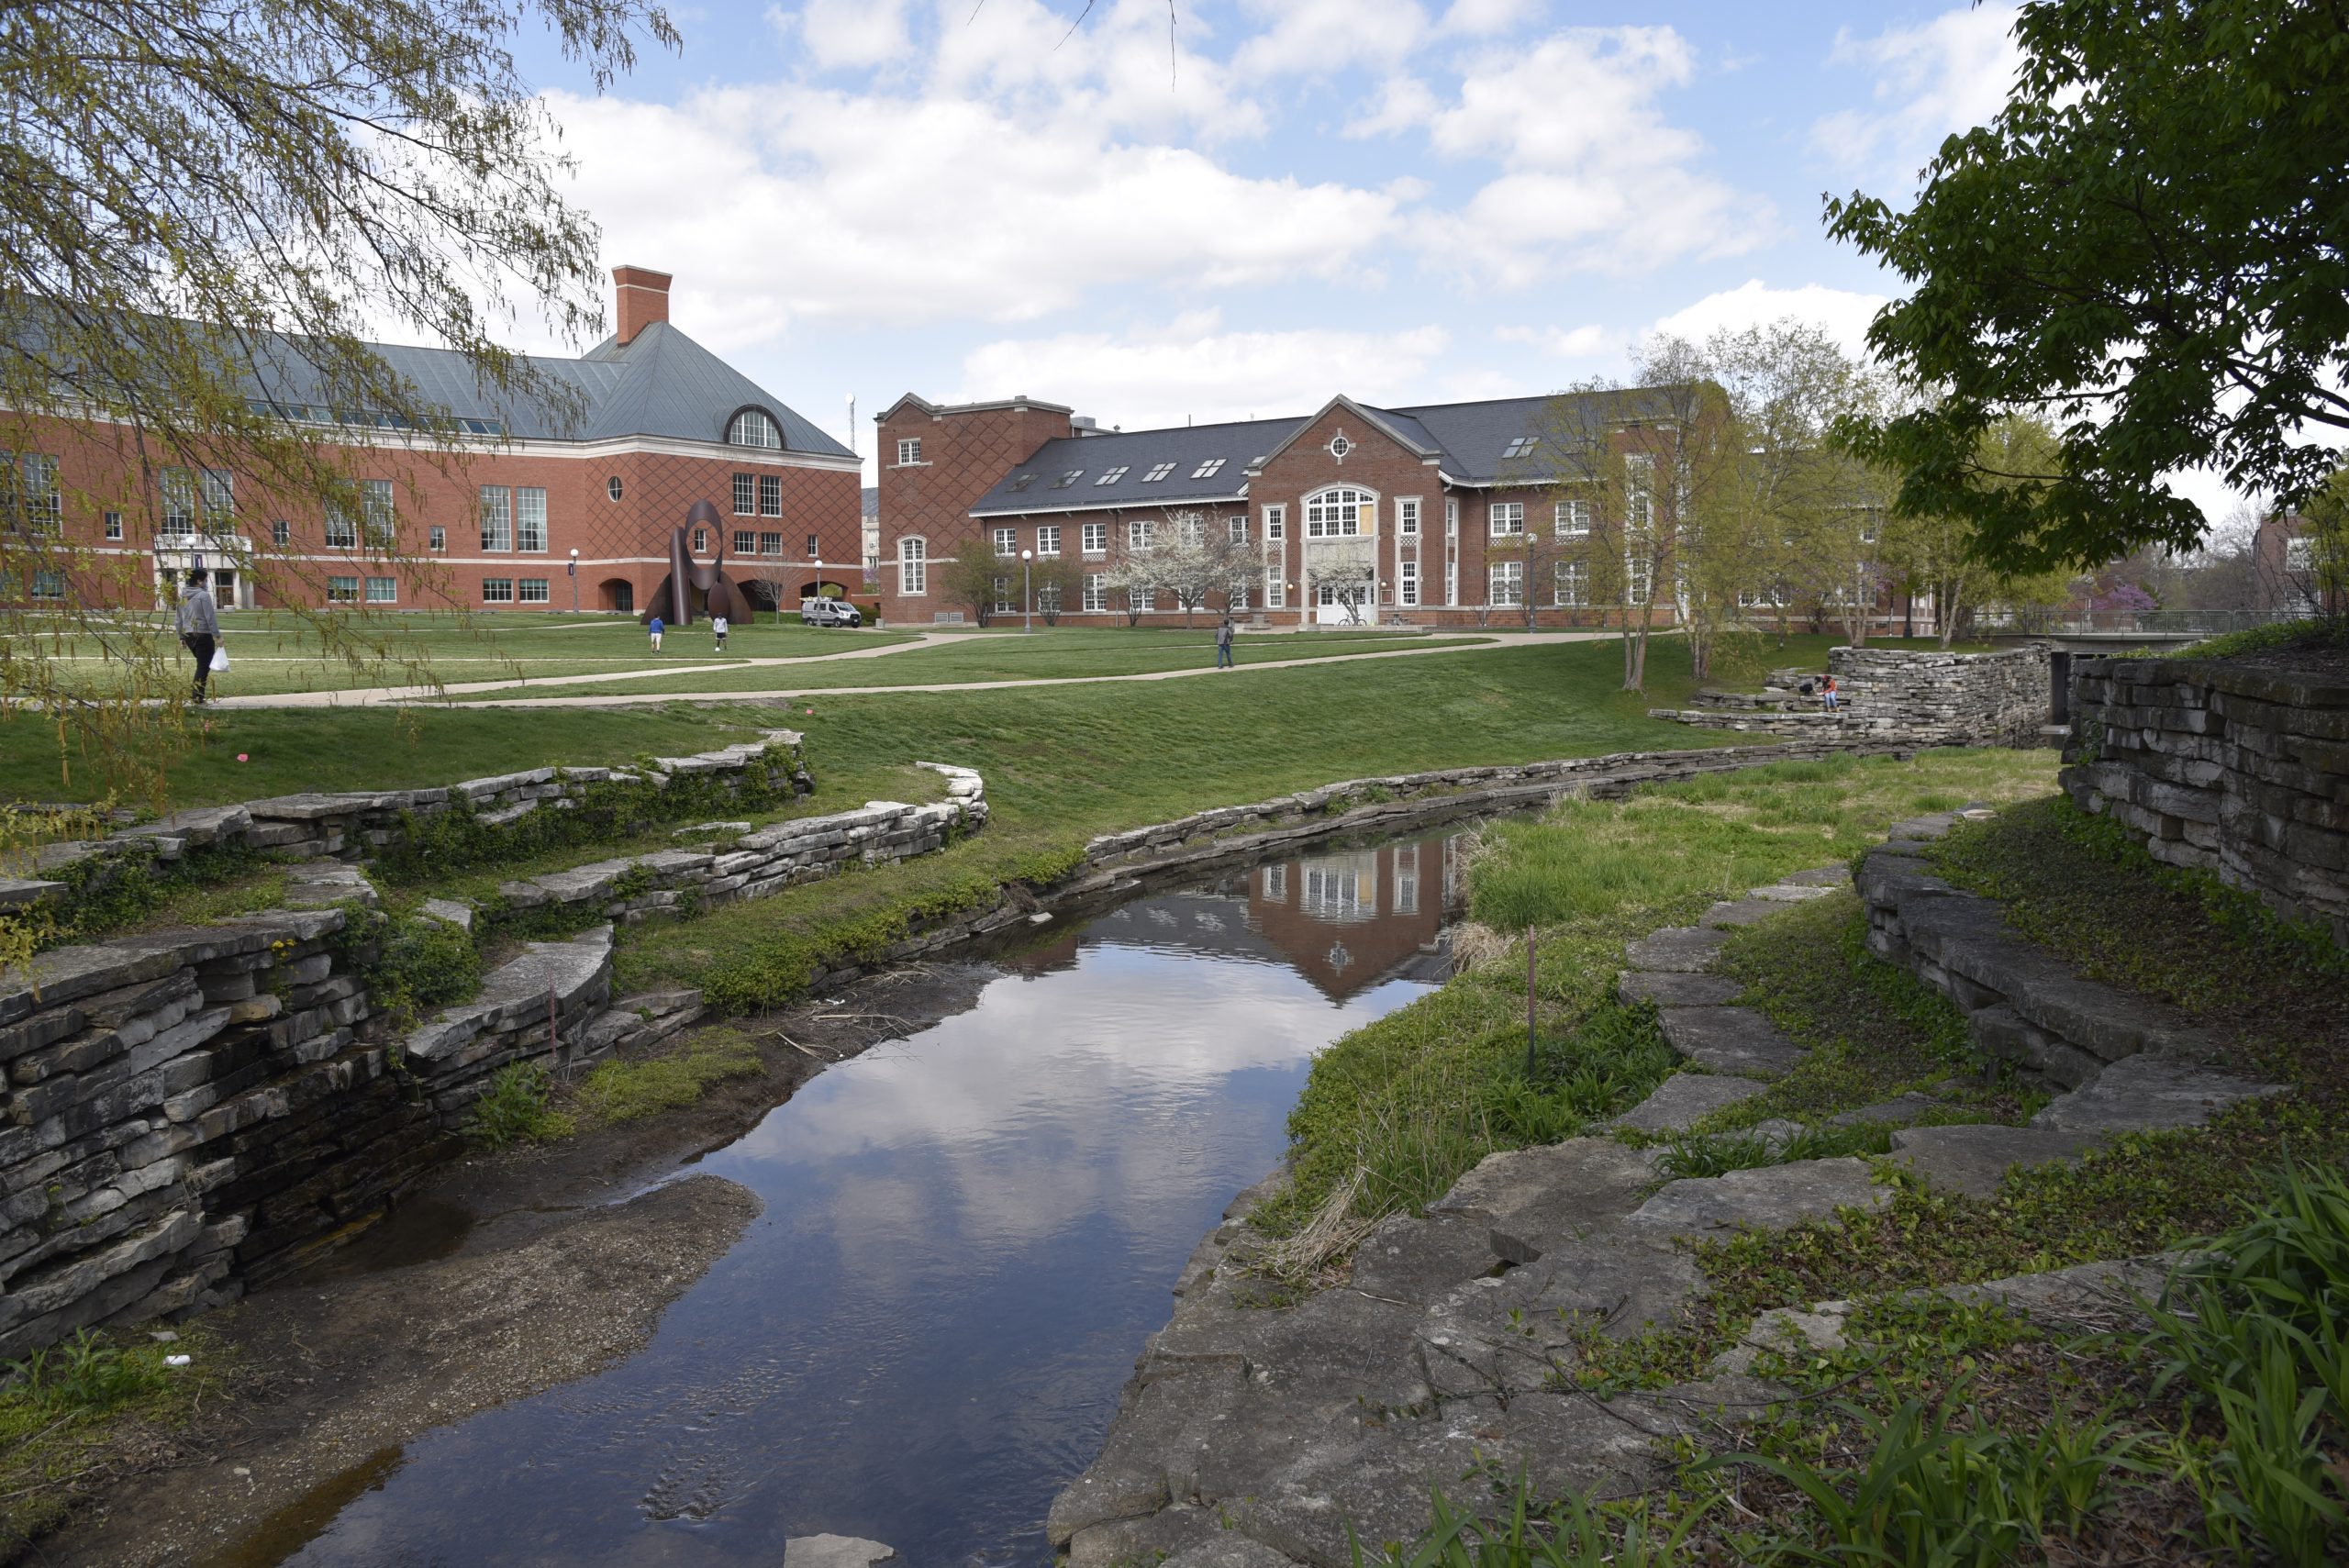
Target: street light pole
1533, 553
1027, 599
575, 581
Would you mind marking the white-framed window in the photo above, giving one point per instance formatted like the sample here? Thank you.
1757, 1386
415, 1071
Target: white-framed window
343, 590
1572, 520
343, 529
701, 541
753, 427
113, 526
815, 548
1451, 517
497, 522
1870, 525
36, 492
493, 590
746, 541
1637, 579
529, 518
1276, 523
376, 511
438, 537
1239, 527
383, 590
1140, 597
1193, 531
1407, 516
1638, 493
1407, 879
1772, 598
908, 452
1508, 585
2300, 556
281, 532
1048, 540
1096, 591
1111, 475
771, 543
1451, 579
612, 487
1208, 469
746, 495
48, 582
1094, 538
1236, 596
1157, 472
913, 566
1006, 541
1276, 589
1003, 604
178, 488
1572, 587
1506, 519
1338, 512
536, 590
1276, 885
216, 486
1138, 531
1406, 581
770, 496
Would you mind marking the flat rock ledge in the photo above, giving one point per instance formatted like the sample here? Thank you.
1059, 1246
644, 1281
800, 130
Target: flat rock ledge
834, 1552
1251, 1437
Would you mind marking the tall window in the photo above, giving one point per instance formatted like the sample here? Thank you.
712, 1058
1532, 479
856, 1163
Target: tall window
376, 511
498, 523
343, 529
913, 566
113, 526
815, 548
1573, 589
1275, 524
1138, 533
280, 533
1573, 519
1406, 581
1638, 493
1048, 540
1508, 583
770, 496
701, 541
908, 452
1276, 589
1338, 512
1140, 599
1095, 538
753, 427
1407, 517
218, 489
1096, 591
1006, 541
32, 500
770, 542
1236, 596
1239, 527
1003, 604
746, 495
1507, 518
530, 518
440, 537
1636, 579
179, 501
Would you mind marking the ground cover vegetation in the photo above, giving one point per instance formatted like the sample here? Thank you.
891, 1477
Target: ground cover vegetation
1946, 1431
92, 1407
527, 1104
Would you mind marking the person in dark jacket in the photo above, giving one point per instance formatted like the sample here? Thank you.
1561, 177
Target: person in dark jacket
199, 629
1223, 644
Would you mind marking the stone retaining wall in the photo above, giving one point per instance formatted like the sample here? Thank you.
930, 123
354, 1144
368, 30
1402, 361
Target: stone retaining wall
356, 826
2235, 769
2023, 1004
1922, 698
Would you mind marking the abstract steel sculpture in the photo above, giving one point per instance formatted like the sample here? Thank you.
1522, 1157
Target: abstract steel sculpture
712, 591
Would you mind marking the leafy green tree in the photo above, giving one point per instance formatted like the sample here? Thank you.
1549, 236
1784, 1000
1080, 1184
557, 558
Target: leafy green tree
195, 191
2145, 248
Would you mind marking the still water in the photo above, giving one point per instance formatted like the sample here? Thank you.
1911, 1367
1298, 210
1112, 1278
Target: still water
968, 1234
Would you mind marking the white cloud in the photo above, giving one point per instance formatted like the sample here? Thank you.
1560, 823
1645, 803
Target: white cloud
1404, 101
1843, 313
1583, 342
1321, 37
848, 33
1483, 17
1594, 176
1192, 368
1941, 76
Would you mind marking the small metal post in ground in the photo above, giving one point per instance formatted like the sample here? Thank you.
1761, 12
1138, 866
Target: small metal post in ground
552, 1039
1529, 1004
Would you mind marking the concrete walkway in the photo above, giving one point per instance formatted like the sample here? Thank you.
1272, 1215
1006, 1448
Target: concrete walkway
383, 696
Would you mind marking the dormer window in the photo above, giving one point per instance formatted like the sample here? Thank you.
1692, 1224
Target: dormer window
1158, 472
1065, 480
753, 427
1521, 447
1112, 475
1207, 470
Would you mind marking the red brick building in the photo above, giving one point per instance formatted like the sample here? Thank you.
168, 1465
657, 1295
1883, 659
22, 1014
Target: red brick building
1352, 514
535, 509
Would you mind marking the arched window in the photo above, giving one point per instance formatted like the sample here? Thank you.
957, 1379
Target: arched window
913, 566
753, 427
1340, 512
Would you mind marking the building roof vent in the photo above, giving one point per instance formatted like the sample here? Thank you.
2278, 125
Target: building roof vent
1085, 423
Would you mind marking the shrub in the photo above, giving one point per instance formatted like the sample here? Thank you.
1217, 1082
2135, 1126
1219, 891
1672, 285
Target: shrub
514, 1109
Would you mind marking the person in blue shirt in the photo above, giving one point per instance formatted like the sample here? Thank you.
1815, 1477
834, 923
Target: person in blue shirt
655, 627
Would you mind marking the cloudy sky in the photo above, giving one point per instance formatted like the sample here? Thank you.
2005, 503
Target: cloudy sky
1406, 200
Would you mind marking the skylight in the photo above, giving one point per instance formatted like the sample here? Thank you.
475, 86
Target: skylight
1112, 475
1521, 447
1157, 473
1021, 482
1065, 480
1207, 470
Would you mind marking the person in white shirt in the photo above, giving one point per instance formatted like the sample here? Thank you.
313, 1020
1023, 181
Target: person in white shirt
718, 627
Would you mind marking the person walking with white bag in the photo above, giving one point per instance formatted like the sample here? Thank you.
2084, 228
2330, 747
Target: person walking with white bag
199, 626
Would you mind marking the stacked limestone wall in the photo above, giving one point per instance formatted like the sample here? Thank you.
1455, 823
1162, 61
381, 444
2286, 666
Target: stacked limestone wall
2239, 770
1920, 697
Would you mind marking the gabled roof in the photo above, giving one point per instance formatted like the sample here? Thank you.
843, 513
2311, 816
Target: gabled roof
934, 409
1467, 440
660, 384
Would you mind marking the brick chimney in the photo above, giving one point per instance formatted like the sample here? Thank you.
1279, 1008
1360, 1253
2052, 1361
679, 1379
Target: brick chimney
643, 299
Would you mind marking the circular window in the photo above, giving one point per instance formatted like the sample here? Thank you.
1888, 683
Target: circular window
1340, 446
613, 485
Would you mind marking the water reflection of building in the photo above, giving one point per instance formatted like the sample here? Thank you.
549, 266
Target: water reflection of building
1345, 919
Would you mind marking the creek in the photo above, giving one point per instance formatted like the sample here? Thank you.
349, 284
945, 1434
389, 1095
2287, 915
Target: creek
968, 1234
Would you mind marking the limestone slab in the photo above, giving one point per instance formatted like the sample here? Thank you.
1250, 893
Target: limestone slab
1833, 877
1676, 988
1747, 911
1419, 1258
1771, 1199
1684, 1099
2146, 1093
1974, 1159
1528, 1197
1681, 948
1730, 1040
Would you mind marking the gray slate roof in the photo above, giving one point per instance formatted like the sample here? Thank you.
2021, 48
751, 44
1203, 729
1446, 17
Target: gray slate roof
662, 383
1469, 438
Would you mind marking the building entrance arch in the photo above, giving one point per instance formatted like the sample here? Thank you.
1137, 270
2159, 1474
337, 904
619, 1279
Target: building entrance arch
616, 593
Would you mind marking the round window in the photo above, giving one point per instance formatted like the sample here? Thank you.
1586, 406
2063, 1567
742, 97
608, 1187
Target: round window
1340, 446
613, 485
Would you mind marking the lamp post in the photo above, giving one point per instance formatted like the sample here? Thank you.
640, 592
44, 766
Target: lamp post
1533, 548
1027, 600
574, 580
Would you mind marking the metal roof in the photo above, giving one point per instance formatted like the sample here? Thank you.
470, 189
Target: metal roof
1468, 438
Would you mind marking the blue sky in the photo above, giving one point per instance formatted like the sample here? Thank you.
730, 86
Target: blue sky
1405, 200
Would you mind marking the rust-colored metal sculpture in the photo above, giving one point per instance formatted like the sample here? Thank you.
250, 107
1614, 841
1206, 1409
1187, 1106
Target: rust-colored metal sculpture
691, 586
